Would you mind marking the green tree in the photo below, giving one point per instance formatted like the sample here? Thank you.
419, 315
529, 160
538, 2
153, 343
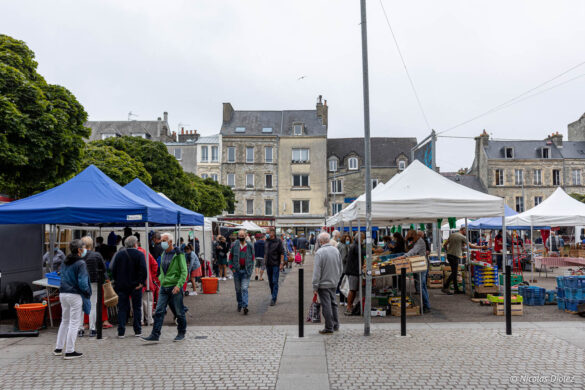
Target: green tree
118, 165
41, 125
211, 195
579, 197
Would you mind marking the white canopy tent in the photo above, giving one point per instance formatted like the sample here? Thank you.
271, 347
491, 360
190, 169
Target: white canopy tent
559, 209
252, 227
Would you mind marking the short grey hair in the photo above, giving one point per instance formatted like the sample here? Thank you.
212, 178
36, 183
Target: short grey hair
335, 234
130, 242
88, 242
324, 238
169, 236
75, 245
243, 231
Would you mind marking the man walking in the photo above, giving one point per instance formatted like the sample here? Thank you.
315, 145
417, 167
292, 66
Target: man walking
326, 274
454, 245
95, 265
173, 273
302, 246
259, 254
242, 265
129, 273
274, 257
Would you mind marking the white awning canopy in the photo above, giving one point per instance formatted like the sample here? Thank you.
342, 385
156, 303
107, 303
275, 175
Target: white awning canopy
559, 209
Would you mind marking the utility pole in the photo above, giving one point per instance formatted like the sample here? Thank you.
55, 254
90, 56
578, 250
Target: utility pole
368, 163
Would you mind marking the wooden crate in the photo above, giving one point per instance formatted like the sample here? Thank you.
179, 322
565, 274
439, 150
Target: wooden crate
500, 309
410, 311
486, 289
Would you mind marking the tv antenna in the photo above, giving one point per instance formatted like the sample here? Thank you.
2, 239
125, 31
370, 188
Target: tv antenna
130, 115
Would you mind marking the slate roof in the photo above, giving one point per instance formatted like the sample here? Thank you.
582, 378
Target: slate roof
532, 149
123, 128
210, 139
573, 149
384, 150
470, 181
280, 121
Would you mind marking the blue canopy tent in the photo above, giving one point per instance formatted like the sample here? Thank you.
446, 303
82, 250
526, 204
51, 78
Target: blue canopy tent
495, 223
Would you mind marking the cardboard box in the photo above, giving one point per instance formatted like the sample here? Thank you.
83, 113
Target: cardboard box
500, 309
410, 311
378, 312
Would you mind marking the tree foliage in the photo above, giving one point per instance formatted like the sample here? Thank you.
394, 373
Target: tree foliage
212, 198
41, 125
579, 197
118, 165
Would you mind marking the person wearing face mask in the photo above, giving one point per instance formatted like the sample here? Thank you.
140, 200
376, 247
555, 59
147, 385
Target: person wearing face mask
74, 295
242, 265
95, 265
173, 273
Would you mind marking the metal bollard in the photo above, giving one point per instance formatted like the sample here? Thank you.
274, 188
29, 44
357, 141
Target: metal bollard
508, 299
403, 302
100, 294
301, 311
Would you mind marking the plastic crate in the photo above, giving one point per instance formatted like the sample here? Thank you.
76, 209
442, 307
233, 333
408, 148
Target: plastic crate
572, 304
534, 301
560, 292
551, 296
514, 279
575, 293
53, 278
561, 303
560, 281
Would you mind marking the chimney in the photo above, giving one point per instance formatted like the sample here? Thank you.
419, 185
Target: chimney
480, 142
228, 112
319, 106
166, 116
324, 115
158, 128
182, 130
556, 139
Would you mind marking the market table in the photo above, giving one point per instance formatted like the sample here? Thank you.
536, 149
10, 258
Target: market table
558, 262
45, 283
408, 273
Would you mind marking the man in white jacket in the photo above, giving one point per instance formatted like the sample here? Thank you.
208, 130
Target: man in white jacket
326, 273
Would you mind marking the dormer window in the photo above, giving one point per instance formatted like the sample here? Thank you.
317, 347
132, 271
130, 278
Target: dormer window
240, 129
509, 152
352, 163
298, 129
545, 153
333, 165
267, 129
401, 165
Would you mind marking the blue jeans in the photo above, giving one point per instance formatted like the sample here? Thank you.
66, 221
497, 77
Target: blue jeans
423, 288
175, 301
124, 309
241, 281
273, 273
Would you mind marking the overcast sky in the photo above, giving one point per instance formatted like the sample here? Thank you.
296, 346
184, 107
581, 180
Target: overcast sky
187, 57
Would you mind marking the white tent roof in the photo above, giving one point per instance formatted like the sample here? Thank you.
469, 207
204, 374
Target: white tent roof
419, 194
252, 227
559, 209
458, 225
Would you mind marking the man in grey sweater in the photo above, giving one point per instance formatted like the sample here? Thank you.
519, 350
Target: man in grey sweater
326, 273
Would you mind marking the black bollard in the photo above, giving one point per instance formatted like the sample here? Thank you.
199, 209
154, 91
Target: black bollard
100, 295
301, 311
508, 299
403, 302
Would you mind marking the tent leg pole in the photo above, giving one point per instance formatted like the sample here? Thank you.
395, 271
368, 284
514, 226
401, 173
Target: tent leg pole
507, 289
148, 287
203, 253
532, 259
359, 231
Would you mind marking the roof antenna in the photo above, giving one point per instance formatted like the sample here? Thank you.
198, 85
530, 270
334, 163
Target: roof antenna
130, 115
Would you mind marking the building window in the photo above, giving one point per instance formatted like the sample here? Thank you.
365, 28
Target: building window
214, 154
300, 206
231, 154
374, 183
268, 154
250, 154
537, 200
268, 207
401, 165
240, 129
204, 176
267, 129
178, 153
520, 204
576, 175
538, 177
298, 129
556, 177
141, 135
108, 135
519, 177
499, 174
231, 180
249, 180
336, 187
509, 152
268, 181
335, 208
353, 163
300, 180
300, 155
214, 176
250, 206
204, 154
333, 165
545, 153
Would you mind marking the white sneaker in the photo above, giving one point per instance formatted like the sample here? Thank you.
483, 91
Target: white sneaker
193, 293
224, 279
229, 277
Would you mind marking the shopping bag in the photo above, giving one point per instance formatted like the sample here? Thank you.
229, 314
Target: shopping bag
314, 311
298, 258
110, 296
344, 287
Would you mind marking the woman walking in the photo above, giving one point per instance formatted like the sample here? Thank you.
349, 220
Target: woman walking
194, 267
75, 293
222, 253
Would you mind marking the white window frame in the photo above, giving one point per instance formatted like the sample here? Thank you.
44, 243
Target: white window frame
308, 203
336, 186
204, 154
248, 148
333, 164
547, 153
537, 178
233, 176
228, 154
520, 207
240, 129
499, 174
401, 165
266, 159
248, 184
267, 129
248, 206
266, 202
351, 166
214, 176
204, 176
336, 207
576, 176
108, 135
300, 156
266, 181
537, 200
141, 135
301, 175
558, 171
180, 154
298, 129
519, 177
216, 157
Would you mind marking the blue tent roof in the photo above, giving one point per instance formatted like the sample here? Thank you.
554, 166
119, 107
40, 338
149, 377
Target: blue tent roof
91, 197
494, 223
186, 217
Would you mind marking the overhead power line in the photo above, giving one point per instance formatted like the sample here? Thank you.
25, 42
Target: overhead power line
405, 67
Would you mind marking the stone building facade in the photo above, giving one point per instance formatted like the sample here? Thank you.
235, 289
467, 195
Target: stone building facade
183, 148
346, 170
526, 172
209, 157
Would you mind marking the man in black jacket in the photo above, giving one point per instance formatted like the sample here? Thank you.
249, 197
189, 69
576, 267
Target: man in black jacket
274, 257
352, 270
95, 265
129, 273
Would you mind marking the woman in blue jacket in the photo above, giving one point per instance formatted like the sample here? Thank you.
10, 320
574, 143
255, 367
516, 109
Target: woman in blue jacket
74, 295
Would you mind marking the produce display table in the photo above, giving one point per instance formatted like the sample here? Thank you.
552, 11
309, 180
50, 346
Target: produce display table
48, 287
560, 261
409, 273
